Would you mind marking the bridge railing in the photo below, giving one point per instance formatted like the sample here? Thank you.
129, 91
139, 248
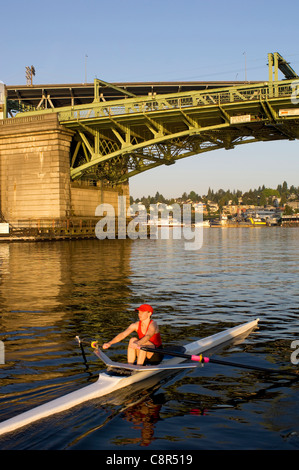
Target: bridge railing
156, 103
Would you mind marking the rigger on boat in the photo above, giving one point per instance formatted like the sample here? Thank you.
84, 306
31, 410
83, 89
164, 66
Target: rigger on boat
112, 378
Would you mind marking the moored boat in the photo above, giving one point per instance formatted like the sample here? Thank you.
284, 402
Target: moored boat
204, 223
257, 221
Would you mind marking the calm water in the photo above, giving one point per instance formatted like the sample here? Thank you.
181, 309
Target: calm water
51, 292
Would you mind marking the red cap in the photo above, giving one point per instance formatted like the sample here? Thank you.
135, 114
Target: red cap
145, 308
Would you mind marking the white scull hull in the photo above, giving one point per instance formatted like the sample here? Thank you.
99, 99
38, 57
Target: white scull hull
109, 383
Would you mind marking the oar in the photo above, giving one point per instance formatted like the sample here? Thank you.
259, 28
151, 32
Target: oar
203, 359
81, 347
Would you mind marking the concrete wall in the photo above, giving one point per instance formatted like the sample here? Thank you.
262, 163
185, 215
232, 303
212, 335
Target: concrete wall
35, 173
84, 200
34, 168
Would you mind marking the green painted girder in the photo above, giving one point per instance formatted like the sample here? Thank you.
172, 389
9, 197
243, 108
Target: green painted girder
277, 62
124, 138
116, 140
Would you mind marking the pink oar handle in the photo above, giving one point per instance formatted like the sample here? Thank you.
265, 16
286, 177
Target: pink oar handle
199, 358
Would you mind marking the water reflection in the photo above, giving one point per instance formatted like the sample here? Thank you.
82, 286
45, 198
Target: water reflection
143, 416
51, 292
42, 282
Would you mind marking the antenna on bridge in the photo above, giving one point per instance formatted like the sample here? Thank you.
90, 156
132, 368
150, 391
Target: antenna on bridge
244, 53
86, 56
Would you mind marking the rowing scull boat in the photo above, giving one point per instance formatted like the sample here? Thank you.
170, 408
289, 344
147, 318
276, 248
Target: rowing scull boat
112, 380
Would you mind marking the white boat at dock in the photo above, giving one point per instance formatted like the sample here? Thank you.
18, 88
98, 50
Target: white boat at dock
204, 223
167, 222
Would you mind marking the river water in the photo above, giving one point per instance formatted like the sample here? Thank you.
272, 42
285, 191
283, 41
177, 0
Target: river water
51, 292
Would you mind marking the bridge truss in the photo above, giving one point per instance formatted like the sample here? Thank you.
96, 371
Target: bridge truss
115, 140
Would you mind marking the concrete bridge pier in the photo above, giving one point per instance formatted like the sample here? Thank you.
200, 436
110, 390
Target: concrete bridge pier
34, 168
35, 173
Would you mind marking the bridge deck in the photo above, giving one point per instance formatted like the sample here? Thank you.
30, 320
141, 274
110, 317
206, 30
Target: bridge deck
70, 94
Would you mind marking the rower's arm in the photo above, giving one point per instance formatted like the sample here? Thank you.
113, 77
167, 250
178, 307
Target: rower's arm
120, 336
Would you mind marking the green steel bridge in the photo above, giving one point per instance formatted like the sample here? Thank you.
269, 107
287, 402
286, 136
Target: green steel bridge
126, 134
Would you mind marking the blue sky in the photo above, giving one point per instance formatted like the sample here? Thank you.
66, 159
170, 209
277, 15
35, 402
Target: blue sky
151, 40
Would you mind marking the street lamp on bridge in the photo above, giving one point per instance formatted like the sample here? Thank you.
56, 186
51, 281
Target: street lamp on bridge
30, 72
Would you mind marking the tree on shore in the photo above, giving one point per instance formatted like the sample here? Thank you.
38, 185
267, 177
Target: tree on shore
257, 197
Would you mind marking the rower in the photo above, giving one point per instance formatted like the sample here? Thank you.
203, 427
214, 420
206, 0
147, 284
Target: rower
148, 335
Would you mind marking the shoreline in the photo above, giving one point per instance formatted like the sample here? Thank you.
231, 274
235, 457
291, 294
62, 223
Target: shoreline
89, 234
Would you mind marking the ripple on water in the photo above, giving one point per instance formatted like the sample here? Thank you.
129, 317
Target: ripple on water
52, 292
